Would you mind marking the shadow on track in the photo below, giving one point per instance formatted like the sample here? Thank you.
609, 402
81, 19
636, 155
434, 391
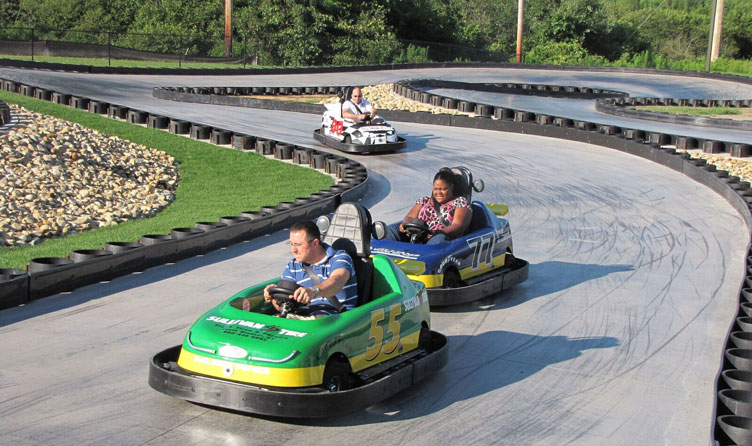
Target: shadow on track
488, 362
544, 278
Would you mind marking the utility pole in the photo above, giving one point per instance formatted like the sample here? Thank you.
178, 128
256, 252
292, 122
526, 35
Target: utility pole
710, 35
717, 31
228, 28
520, 14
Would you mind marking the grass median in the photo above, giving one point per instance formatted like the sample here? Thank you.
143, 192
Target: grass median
214, 182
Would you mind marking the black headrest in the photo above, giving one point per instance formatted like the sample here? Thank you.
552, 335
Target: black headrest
348, 94
463, 180
350, 229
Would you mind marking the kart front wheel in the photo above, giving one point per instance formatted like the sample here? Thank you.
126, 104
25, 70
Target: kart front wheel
347, 139
452, 279
337, 376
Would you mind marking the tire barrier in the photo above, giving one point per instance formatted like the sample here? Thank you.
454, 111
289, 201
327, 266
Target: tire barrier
137, 117
4, 113
157, 122
616, 107
51, 275
117, 112
98, 107
220, 137
179, 127
42, 94
80, 103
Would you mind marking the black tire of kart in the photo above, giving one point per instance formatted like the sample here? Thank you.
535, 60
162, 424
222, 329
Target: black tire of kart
337, 376
452, 278
347, 139
508, 259
424, 340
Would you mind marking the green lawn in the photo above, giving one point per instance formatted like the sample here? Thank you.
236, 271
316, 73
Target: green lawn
694, 111
214, 182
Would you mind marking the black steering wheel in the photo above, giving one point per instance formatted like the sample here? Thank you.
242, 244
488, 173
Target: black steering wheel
416, 229
282, 294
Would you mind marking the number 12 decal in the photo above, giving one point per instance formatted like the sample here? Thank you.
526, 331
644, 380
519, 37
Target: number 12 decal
377, 332
483, 247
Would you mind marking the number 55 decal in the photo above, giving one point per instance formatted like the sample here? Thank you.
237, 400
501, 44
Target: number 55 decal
376, 335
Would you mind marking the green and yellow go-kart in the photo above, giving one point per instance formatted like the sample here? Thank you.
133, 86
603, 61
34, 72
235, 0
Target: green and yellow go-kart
240, 356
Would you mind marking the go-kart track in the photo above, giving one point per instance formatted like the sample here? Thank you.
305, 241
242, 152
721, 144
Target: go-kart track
616, 337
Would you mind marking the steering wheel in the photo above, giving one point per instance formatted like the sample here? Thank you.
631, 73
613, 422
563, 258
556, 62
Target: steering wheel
416, 229
282, 294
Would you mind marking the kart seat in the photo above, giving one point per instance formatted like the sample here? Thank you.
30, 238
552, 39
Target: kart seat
350, 229
464, 181
479, 219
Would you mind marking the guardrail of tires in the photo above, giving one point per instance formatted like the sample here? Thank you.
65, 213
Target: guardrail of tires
733, 417
51, 275
623, 107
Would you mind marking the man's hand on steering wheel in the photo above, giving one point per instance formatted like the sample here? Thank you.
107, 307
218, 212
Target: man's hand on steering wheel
304, 295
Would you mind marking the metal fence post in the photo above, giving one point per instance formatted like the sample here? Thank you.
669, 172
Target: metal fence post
109, 48
180, 50
32, 44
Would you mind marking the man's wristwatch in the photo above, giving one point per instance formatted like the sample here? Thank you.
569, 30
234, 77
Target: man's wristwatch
316, 291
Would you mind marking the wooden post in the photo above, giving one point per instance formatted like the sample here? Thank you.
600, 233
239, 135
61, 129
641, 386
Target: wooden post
520, 9
228, 28
717, 31
710, 36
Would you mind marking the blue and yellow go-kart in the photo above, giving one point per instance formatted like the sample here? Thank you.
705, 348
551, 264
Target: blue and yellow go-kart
240, 356
470, 267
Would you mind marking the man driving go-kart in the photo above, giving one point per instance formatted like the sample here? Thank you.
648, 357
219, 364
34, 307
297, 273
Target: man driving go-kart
323, 279
357, 108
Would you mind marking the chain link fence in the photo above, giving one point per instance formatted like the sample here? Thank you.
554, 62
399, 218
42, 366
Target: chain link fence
184, 50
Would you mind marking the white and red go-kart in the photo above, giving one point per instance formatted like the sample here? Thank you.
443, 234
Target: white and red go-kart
371, 135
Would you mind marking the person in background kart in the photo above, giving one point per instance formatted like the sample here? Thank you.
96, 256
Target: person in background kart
356, 108
447, 215
335, 284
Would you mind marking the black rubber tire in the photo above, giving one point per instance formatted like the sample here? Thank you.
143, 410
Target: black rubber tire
347, 139
508, 259
424, 340
452, 279
337, 376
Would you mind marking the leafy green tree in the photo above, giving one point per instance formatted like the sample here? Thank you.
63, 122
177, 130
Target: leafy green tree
737, 30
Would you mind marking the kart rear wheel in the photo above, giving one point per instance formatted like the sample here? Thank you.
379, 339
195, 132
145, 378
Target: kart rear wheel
424, 340
508, 259
337, 376
452, 279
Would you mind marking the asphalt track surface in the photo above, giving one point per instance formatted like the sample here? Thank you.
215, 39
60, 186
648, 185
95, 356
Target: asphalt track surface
616, 337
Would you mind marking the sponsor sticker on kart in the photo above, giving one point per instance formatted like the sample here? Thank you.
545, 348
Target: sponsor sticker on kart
253, 330
376, 128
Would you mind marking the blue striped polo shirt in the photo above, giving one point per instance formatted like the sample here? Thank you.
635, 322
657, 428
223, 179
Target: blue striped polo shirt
334, 260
